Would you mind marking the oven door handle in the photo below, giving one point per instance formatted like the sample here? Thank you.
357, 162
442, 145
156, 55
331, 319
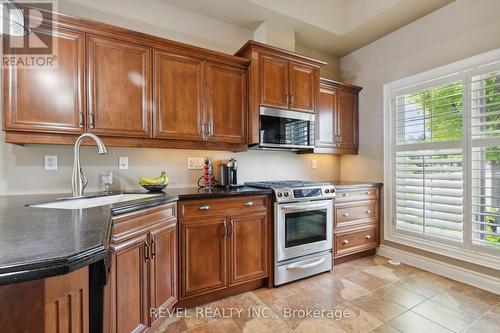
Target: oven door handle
305, 266
301, 208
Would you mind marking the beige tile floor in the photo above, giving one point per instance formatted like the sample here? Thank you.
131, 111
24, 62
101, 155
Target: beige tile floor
365, 295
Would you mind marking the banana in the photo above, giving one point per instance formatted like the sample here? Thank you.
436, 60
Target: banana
161, 180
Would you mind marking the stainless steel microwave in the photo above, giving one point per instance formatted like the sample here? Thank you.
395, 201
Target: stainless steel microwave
285, 129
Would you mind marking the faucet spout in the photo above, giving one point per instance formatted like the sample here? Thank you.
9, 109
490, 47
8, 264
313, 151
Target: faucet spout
78, 179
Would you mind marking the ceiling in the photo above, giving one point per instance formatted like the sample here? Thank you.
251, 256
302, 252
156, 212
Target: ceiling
337, 27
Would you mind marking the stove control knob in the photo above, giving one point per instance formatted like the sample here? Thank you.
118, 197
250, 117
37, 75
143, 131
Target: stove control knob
332, 190
327, 190
280, 194
287, 194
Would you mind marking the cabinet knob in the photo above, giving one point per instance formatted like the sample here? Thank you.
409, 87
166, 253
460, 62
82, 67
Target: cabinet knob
345, 242
248, 204
345, 194
368, 237
368, 192
345, 214
205, 207
368, 211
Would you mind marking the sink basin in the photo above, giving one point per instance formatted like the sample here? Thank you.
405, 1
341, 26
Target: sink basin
92, 201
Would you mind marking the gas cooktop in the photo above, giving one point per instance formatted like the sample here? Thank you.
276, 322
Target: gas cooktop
296, 190
284, 183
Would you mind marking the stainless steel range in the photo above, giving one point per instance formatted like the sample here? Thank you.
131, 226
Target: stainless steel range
303, 228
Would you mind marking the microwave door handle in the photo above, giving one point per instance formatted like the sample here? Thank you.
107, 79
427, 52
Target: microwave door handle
305, 266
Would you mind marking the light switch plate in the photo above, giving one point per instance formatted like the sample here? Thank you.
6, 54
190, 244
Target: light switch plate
51, 162
123, 164
314, 164
196, 163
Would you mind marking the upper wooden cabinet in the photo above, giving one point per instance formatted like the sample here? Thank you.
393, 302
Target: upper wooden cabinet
302, 91
178, 97
337, 118
132, 89
279, 79
274, 81
48, 100
119, 80
226, 107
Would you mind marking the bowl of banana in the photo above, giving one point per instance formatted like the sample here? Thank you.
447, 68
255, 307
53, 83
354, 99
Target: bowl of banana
154, 184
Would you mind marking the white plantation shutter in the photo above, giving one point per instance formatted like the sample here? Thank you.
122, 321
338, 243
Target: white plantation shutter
442, 160
485, 141
429, 162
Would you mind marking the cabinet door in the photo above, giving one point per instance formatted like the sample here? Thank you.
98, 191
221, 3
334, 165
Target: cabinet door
348, 119
128, 285
302, 87
326, 120
48, 100
248, 247
203, 256
226, 104
119, 79
178, 97
274, 82
163, 274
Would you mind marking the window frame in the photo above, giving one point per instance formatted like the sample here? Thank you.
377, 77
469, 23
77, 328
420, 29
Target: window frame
461, 70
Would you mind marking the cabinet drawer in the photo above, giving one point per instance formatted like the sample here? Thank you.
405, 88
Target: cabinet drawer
355, 213
225, 206
356, 194
355, 240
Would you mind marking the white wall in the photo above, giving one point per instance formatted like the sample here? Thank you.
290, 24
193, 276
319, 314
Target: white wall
459, 30
21, 167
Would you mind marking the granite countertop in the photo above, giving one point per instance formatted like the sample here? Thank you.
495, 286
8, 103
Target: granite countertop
42, 242
339, 184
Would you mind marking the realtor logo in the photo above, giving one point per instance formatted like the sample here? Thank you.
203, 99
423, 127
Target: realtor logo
28, 34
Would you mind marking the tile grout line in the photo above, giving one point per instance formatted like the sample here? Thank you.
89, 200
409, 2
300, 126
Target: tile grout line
481, 316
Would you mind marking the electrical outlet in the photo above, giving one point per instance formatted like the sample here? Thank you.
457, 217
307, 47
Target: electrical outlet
314, 164
196, 163
123, 163
51, 162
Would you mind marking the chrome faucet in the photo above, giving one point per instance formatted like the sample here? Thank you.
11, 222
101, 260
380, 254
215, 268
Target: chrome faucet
78, 179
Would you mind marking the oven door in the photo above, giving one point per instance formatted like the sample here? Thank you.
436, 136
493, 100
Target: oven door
303, 228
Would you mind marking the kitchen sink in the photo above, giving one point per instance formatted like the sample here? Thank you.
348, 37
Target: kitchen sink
94, 201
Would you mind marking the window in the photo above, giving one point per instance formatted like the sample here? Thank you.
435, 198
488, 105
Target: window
442, 160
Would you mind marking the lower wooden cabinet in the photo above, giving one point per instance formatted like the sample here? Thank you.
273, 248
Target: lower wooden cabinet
356, 222
203, 256
143, 274
54, 304
224, 243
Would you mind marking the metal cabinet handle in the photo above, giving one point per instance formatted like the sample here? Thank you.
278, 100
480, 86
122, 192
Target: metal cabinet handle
146, 252
248, 204
368, 211
153, 248
285, 98
225, 229
210, 130
92, 120
291, 98
205, 207
233, 231
345, 214
345, 242
368, 237
81, 119
368, 192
